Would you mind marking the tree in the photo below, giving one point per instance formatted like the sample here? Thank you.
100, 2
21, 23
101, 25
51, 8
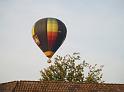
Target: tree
66, 69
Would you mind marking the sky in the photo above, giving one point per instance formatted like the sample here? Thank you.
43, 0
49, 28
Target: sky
95, 28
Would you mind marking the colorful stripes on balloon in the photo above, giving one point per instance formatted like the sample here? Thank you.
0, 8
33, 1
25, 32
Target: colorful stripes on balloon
52, 32
49, 34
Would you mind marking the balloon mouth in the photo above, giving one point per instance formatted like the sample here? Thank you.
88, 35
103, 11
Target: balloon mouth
49, 54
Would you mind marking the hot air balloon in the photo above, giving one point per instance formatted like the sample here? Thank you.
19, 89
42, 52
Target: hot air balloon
49, 34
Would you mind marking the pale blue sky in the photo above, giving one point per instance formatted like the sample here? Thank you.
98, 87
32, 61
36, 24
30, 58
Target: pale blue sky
95, 29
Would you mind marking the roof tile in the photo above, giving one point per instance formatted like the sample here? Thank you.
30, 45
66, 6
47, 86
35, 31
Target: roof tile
58, 86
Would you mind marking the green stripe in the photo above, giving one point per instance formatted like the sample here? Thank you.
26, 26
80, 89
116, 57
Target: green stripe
41, 31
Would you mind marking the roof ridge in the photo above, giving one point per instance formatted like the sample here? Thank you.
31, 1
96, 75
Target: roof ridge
20, 81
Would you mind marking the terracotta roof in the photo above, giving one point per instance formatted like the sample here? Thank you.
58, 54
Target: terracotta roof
58, 86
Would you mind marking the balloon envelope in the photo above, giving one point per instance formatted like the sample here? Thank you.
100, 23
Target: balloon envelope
49, 34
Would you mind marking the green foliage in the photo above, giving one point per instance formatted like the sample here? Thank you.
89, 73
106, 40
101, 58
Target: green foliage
65, 69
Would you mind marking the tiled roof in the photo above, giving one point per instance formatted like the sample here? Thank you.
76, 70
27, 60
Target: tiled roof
58, 86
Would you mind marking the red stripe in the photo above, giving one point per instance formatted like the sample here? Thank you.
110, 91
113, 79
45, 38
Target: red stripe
52, 36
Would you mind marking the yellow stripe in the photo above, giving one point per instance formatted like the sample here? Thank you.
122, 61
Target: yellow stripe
33, 31
52, 25
35, 37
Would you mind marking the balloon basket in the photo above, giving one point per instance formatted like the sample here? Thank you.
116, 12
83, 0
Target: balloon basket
49, 61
